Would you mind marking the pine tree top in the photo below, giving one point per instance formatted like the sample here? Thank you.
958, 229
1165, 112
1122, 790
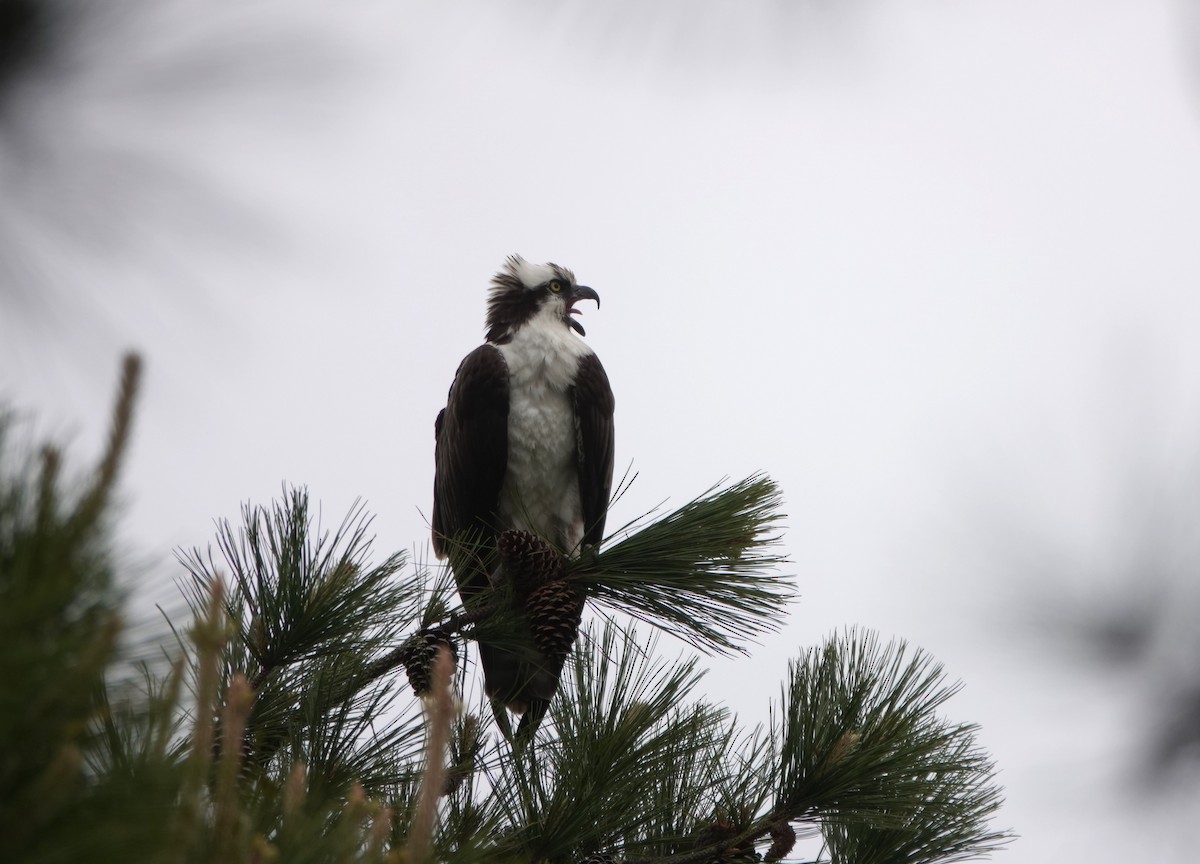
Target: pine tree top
280, 724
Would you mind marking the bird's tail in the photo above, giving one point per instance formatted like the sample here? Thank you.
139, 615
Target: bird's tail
521, 679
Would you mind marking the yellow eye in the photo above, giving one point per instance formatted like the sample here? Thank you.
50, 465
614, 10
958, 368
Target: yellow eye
556, 286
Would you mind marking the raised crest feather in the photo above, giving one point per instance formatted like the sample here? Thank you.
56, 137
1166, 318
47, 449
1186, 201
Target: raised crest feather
512, 298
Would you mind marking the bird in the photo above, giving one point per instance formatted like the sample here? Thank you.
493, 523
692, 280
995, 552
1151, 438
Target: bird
524, 444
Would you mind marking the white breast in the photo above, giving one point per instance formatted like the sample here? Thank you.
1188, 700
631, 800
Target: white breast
541, 487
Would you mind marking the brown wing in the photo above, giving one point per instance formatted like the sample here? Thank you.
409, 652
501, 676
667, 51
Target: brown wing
594, 443
471, 454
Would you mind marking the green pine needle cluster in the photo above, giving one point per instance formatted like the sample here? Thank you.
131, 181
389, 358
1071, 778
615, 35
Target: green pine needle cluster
309, 613
705, 572
864, 748
279, 724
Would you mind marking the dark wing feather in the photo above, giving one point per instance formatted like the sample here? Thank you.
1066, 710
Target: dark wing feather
471, 454
594, 444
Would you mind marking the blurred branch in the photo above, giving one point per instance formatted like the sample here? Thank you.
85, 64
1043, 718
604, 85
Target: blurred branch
433, 779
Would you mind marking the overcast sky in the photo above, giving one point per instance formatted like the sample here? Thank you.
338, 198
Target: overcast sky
933, 266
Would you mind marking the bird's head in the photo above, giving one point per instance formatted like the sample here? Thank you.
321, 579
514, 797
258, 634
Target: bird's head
522, 291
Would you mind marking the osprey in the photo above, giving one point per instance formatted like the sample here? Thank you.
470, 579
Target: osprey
524, 443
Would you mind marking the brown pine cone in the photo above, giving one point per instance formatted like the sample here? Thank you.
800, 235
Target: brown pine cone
529, 560
783, 838
419, 655
555, 610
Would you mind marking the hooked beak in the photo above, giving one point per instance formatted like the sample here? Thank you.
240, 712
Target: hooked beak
581, 292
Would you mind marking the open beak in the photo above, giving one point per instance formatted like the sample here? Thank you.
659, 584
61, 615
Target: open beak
581, 292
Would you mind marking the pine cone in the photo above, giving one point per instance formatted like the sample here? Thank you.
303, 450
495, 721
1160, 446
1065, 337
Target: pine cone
419, 655
783, 838
555, 610
529, 560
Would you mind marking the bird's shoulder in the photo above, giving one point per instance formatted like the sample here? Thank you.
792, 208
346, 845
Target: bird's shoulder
486, 361
471, 446
481, 378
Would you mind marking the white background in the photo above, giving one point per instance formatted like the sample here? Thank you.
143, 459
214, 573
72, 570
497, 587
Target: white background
933, 266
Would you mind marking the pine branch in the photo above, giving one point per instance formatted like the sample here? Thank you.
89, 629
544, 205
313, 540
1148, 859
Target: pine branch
227, 821
209, 638
621, 727
320, 763
299, 594
95, 500
862, 752
863, 748
702, 573
949, 824
59, 616
309, 612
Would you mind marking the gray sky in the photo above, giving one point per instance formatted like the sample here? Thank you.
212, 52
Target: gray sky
933, 266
